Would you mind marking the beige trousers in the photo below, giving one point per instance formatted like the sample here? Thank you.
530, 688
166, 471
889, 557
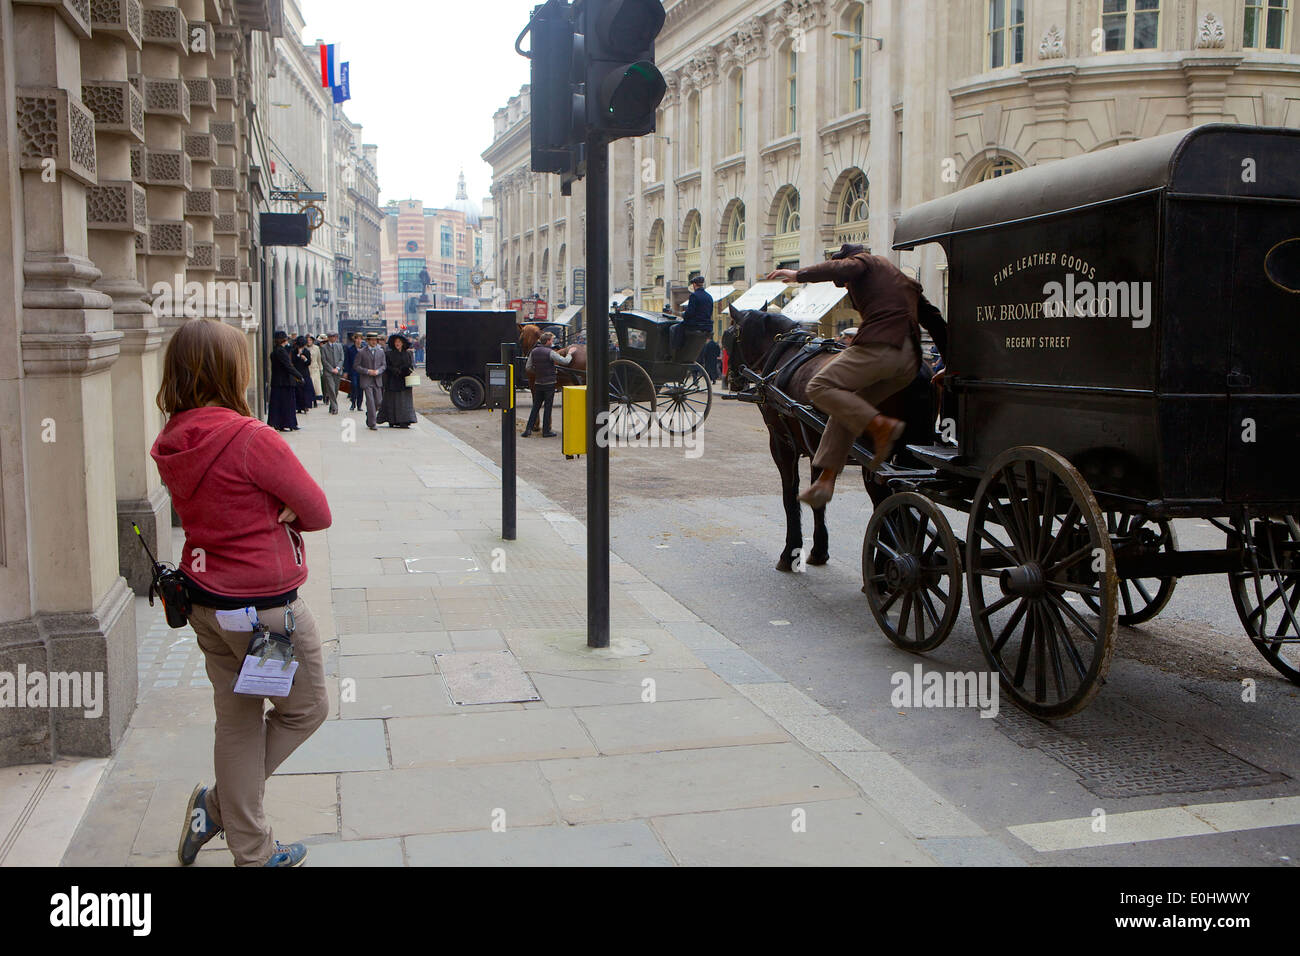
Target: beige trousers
251, 741
849, 387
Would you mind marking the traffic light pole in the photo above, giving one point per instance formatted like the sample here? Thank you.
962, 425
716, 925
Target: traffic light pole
597, 389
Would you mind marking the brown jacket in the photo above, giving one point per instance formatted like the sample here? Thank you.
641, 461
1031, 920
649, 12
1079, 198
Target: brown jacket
892, 306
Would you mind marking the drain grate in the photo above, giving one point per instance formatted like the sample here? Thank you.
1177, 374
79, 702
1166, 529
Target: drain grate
1119, 751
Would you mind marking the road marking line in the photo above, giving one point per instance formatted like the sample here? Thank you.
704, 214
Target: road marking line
1165, 823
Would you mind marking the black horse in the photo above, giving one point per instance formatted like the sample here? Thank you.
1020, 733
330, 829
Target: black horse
752, 341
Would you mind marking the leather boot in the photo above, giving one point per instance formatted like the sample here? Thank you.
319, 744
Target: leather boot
884, 432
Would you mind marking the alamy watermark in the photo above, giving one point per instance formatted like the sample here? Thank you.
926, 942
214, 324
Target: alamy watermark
945, 689
1124, 300
194, 300
72, 690
618, 435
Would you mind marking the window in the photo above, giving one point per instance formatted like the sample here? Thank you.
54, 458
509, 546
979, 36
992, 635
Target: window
785, 247
1131, 24
1006, 33
659, 138
736, 227
446, 242
693, 133
788, 218
692, 244
478, 250
998, 168
1265, 24
737, 111
855, 62
851, 220
790, 106
408, 275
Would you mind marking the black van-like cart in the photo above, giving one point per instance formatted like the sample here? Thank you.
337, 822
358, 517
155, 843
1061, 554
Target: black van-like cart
1121, 339
460, 344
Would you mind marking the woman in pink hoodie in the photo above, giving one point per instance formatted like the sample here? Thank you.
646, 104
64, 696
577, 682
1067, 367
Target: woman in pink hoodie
244, 500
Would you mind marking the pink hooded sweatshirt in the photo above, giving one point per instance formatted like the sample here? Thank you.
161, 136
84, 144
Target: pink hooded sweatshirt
229, 476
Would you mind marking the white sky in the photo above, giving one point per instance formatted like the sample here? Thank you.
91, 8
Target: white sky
426, 78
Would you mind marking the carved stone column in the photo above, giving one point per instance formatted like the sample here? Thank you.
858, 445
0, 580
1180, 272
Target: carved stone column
81, 621
116, 215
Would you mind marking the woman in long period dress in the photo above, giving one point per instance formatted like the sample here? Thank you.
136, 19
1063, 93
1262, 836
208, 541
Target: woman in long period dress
398, 406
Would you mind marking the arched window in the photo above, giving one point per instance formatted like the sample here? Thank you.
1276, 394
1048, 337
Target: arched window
657, 252
785, 247
692, 262
998, 168
545, 278
736, 225
733, 254
854, 209
561, 286
737, 125
787, 220
855, 62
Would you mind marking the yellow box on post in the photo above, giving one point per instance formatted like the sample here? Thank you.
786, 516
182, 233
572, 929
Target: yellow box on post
574, 439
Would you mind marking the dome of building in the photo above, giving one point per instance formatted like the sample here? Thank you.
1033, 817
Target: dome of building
462, 203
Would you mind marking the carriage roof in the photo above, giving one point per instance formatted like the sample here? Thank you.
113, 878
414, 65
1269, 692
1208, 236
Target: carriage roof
1178, 162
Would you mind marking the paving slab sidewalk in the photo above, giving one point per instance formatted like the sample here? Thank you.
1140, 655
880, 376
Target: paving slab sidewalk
671, 747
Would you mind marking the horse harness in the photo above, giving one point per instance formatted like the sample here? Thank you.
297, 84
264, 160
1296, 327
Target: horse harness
805, 345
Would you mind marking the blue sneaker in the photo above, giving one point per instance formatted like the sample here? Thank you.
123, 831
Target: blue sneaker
291, 855
197, 828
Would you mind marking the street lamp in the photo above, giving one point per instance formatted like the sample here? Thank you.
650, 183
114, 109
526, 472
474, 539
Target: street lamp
846, 35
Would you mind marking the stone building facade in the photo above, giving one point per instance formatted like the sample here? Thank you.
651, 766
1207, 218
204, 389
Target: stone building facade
126, 175
791, 126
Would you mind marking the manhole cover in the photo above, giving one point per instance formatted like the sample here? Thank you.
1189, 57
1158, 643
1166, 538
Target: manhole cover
441, 564
1119, 751
485, 677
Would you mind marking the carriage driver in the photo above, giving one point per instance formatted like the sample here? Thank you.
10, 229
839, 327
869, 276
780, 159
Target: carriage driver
882, 359
541, 361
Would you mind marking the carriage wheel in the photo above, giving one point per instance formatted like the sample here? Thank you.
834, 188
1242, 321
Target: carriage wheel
467, 393
631, 400
911, 571
686, 403
1036, 548
1140, 599
1269, 606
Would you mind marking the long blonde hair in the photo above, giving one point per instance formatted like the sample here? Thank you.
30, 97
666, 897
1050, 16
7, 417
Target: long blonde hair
206, 364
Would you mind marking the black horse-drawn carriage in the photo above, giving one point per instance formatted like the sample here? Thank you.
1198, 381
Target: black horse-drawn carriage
653, 381
1121, 331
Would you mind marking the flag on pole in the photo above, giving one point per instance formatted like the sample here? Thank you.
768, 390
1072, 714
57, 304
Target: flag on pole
343, 91
328, 65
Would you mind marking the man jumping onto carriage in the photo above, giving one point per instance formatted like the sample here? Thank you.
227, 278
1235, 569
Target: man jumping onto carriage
882, 359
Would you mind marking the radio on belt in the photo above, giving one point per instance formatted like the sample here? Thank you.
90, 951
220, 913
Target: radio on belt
500, 387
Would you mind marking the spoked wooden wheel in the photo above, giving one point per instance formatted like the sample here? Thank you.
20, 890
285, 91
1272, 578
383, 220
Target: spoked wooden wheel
1140, 599
911, 572
1036, 548
685, 404
631, 401
1269, 605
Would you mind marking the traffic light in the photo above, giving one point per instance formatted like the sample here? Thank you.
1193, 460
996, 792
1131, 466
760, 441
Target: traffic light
555, 123
623, 85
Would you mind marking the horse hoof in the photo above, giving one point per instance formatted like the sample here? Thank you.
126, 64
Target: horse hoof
817, 560
786, 565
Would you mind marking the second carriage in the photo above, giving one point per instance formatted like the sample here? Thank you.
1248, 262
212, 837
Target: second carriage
652, 382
